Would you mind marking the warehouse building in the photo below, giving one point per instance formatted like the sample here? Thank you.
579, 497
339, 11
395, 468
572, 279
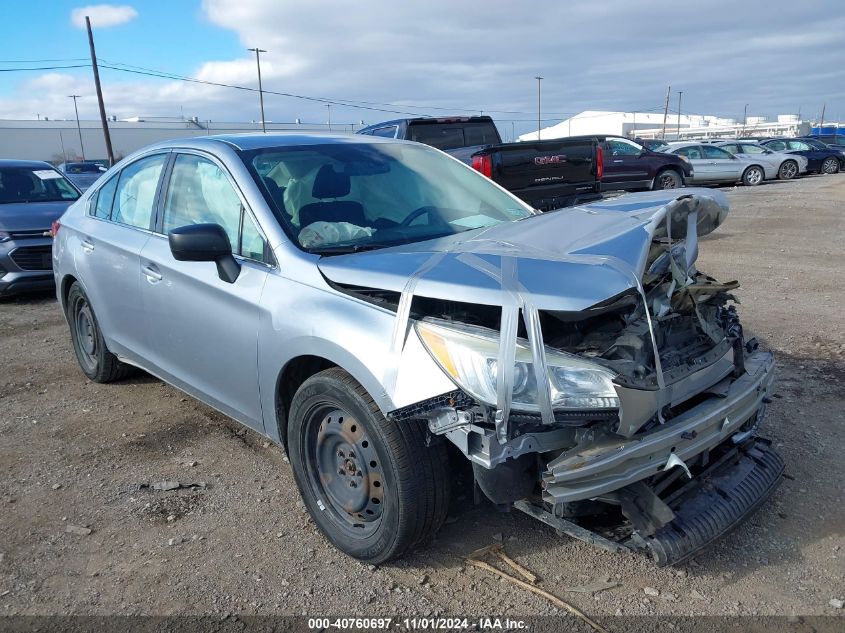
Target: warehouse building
59, 141
651, 125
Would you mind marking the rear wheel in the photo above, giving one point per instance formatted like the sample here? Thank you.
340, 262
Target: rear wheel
753, 176
788, 170
830, 165
371, 485
96, 361
667, 179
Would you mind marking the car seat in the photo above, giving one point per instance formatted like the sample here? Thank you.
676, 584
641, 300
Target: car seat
328, 186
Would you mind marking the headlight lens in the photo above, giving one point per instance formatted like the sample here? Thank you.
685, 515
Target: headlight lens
469, 355
4, 236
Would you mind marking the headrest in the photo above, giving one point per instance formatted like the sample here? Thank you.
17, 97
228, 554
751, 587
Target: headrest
330, 184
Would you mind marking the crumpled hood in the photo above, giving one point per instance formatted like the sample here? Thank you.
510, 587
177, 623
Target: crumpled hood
566, 260
30, 216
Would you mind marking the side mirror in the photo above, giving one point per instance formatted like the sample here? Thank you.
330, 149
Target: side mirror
205, 243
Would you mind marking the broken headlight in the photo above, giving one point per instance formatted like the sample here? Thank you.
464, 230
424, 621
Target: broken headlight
469, 355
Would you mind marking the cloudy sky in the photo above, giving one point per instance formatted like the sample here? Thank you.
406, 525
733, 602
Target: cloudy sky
427, 57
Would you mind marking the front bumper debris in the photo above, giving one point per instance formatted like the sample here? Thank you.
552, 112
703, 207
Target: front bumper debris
610, 463
715, 501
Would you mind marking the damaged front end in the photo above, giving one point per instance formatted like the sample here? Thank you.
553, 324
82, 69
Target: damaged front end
643, 406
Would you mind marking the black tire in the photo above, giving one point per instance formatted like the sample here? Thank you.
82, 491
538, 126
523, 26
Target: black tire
788, 170
667, 179
830, 165
96, 361
753, 176
337, 437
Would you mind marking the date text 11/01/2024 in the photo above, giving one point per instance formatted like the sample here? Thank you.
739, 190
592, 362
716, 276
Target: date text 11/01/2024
424, 623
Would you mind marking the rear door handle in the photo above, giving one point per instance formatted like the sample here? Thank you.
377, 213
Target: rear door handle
152, 274
87, 245
618, 161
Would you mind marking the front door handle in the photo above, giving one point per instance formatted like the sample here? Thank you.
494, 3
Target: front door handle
152, 274
618, 161
87, 245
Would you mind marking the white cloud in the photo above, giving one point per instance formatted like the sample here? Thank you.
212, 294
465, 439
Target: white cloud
103, 15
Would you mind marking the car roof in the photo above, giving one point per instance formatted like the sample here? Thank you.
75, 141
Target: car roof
429, 119
25, 164
253, 141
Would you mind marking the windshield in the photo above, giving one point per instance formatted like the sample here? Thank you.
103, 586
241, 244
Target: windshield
83, 168
24, 184
658, 146
336, 197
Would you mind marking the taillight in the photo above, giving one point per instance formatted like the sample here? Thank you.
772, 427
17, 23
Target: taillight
484, 164
54, 228
599, 163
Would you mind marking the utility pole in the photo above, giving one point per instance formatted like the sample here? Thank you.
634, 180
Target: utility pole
106, 135
821, 125
260, 89
744, 118
539, 79
329, 109
680, 94
78, 127
665, 112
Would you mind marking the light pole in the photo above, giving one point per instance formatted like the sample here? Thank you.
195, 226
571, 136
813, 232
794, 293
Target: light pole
744, 118
539, 79
329, 109
680, 94
78, 127
260, 90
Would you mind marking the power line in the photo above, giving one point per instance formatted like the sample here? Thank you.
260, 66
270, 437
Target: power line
12, 70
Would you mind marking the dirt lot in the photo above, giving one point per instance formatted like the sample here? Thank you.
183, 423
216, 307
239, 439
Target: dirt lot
74, 453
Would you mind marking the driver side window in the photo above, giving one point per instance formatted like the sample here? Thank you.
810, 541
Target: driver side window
199, 192
623, 148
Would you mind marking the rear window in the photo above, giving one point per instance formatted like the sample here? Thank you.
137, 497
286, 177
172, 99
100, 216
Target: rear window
24, 184
447, 136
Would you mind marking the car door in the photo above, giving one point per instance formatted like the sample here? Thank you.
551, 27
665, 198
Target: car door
815, 156
702, 170
203, 330
624, 163
112, 233
726, 166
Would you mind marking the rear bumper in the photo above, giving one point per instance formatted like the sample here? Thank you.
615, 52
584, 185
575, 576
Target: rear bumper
618, 462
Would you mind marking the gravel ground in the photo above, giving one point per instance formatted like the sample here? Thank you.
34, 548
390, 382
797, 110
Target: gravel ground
74, 456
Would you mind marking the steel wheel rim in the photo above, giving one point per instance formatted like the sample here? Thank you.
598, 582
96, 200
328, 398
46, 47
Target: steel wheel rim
344, 470
667, 181
86, 334
754, 176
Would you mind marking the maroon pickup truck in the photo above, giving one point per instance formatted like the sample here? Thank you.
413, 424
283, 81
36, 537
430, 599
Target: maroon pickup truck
630, 166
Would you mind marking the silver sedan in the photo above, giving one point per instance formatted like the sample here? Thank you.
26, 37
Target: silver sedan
713, 164
776, 164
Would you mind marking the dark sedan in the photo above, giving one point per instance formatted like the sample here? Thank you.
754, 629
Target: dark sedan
83, 175
630, 166
32, 196
819, 160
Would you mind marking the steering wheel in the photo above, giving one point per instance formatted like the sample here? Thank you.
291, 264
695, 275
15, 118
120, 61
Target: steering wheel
417, 213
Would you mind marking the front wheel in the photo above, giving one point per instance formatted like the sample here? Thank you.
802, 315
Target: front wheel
667, 179
788, 170
830, 165
371, 485
753, 176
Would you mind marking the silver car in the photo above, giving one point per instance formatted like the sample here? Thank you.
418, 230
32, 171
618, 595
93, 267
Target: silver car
775, 164
384, 312
712, 164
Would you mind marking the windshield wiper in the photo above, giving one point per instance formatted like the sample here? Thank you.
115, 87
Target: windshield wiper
341, 249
